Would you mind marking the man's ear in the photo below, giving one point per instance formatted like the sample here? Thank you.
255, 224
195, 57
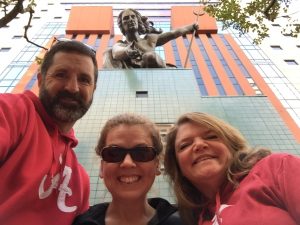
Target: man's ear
101, 169
39, 78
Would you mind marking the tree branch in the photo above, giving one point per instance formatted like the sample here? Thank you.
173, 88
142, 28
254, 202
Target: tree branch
269, 7
31, 12
12, 14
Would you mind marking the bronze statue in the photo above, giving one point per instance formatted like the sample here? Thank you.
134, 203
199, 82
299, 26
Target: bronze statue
136, 51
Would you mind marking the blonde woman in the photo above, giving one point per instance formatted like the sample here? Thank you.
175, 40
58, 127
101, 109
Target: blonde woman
219, 179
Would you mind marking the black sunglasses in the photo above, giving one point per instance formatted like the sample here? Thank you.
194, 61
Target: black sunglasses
55, 40
115, 154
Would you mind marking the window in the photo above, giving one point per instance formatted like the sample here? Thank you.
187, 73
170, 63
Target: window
36, 17
4, 49
44, 10
17, 36
57, 17
287, 34
276, 47
141, 94
298, 46
291, 61
275, 25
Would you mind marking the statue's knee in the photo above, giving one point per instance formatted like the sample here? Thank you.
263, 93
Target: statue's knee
149, 57
152, 60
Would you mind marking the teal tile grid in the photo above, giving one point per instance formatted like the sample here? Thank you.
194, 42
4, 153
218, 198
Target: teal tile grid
171, 92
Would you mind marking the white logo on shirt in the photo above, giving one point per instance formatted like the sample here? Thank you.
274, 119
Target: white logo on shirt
63, 189
215, 219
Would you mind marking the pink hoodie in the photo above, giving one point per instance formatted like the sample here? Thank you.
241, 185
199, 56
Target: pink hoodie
41, 179
268, 195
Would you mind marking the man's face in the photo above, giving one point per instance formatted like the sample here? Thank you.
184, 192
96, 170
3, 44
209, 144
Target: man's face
67, 89
129, 21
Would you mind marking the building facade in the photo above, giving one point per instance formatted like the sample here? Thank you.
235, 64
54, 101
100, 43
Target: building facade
226, 75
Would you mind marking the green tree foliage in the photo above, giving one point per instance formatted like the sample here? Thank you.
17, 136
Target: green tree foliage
250, 16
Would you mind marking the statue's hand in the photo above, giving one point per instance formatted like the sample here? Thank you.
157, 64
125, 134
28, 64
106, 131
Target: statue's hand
195, 26
133, 53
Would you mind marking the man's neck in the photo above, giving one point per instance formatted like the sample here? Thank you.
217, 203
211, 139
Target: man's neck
64, 127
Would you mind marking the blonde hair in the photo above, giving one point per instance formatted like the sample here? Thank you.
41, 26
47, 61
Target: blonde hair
190, 200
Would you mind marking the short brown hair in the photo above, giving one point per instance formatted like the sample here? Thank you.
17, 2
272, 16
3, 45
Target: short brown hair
130, 119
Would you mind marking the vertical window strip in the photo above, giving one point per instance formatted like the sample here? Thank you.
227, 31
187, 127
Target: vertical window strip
165, 26
31, 82
196, 70
226, 67
176, 54
160, 51
232, 53
85, 39
210, 67
111, 41
242, 67
97, 42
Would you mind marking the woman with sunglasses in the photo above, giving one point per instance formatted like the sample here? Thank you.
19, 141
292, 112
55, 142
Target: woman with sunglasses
129, 147
219, 179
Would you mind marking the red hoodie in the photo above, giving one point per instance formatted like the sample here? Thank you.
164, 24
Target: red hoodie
41, 179
268, 195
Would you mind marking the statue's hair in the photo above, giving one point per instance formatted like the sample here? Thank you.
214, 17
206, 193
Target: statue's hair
190, 200
144, 26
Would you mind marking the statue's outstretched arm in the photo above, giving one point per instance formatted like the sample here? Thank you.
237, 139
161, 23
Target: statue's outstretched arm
173, 34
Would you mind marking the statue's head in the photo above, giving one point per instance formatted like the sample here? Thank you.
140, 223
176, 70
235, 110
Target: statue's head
126, 26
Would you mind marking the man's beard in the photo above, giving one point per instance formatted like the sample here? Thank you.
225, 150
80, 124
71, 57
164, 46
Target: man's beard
60, 111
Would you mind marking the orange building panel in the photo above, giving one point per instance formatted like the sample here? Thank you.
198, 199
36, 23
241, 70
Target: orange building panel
184, 15
20, 87
80, 37
35, 88
118, 38
90, 20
